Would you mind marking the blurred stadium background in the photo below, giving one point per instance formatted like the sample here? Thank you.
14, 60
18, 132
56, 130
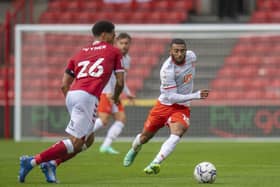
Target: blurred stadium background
241, 67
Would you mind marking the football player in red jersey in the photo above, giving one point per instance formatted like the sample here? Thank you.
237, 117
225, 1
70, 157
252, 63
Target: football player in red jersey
86, 75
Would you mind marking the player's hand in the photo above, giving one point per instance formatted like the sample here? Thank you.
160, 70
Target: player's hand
131, 99
204, 93
110, 97
115, 100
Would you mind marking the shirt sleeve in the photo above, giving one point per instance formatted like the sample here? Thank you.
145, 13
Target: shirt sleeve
191, 56
70, 69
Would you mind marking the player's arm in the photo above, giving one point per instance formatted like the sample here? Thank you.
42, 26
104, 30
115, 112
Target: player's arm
180, 98
66, 83
119, 86
67, 79
169, 87
126, 90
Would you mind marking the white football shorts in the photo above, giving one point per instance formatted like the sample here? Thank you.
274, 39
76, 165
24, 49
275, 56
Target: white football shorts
82, 108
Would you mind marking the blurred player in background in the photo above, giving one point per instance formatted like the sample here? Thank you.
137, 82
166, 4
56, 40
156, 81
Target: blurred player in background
107, 108
85, 77
172, 108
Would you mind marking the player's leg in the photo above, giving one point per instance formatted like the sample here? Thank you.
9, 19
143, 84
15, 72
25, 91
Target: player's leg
59, 150
154, 122
81, 108
88, 142
102, 121
113, 132
137, 143
178, 126
104, 112
49, 168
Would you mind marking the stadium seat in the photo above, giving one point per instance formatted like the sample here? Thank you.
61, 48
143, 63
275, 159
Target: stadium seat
271, 60
49, 17
220, 84
121, 17
58, 5
75, 6
227, 71
163, 5
66, 17
271, 94
93, 6
239, 84
84, 17
260, 17
148, 6
253, 95
137, 17
234, 95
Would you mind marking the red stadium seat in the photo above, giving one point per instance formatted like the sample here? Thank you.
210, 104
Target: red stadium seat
145, 6
65, 17
234, 95
275, 84
217, 95
135, 83
220, 84
227, 72
242, 49
59, 5
93, 6
239, 84
137, 17
49, 17
183, 5
121, 17
271, 94
260, 17
258, 83
84, 17
271, 60
253, 94
153, 17
75, 5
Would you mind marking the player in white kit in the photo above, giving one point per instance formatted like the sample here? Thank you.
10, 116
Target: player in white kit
106, 108
172, 108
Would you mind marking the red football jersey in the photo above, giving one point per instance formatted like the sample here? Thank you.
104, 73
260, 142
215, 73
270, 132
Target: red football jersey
92, 67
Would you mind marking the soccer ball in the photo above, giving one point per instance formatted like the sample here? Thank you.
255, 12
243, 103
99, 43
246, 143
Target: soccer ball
205, 172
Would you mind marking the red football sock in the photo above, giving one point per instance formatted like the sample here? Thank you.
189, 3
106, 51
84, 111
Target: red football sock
64, 158
56, 151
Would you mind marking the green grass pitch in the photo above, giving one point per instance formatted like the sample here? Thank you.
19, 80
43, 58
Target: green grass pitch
238, 165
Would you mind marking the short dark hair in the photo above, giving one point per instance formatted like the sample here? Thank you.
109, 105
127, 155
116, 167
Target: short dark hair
123, 35
178, 41
102, 26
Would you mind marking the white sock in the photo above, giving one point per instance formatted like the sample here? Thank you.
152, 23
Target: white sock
97, 125
84, 147
33, 162
136, 144
167, 147
114, 131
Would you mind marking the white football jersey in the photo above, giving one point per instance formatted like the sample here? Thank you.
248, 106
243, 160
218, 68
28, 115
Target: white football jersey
177, 78
110, 86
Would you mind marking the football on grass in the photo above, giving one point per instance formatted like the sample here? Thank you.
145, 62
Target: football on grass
205, 172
